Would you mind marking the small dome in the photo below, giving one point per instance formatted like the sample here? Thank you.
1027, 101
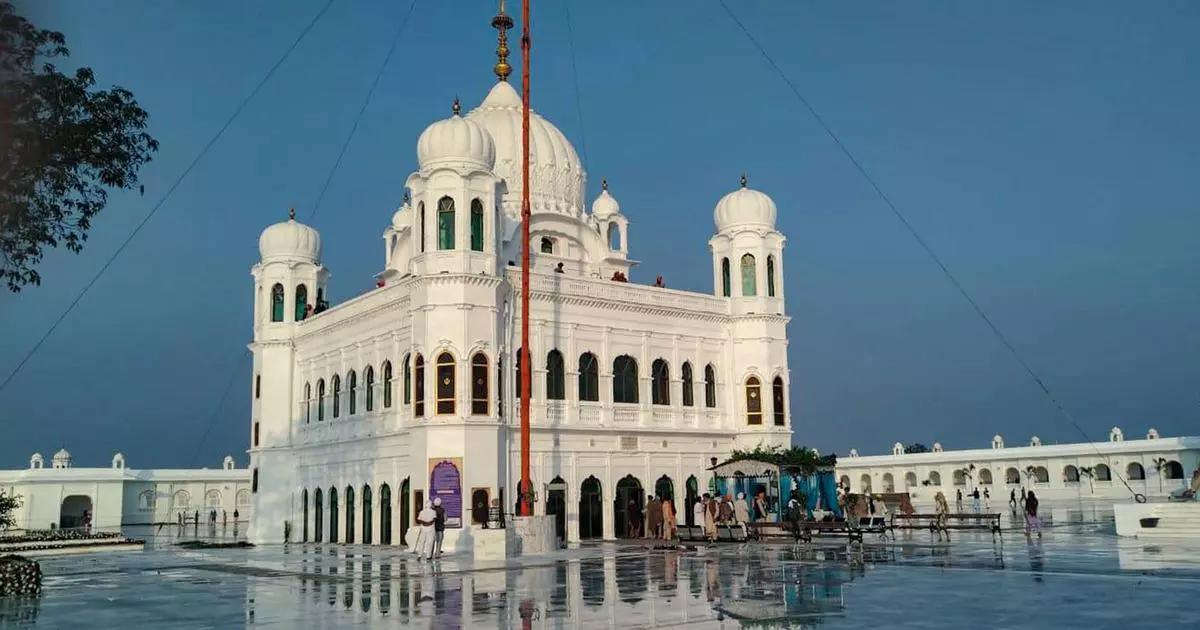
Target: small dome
744, 206
62, 454
605, 205
400, 220
290, 240
456, 140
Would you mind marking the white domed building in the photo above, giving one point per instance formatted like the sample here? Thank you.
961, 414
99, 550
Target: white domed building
364, 410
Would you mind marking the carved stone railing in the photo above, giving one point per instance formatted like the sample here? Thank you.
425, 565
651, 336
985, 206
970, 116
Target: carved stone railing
626, 413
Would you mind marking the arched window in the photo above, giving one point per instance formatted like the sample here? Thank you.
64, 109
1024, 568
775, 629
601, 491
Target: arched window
445, 384
910, 479
277, 303
547, 245
307, 403
500, 386
614, 236
589, 378
770, 276
1135, 472
749, 280
688, 395
421, 216
725, 284
419, 386
369, 378
352, 401
660, 382
1012, 476
556, 387
1070, 474
335, 384
935, 478
479, 384
754, 411
304, 511
445, 217
318, 515
387, 384
1041, 474
710, 386
777, 400
625, 379
1103, 473
985, 477
476, 225
320, 400
1173, 470
301, 301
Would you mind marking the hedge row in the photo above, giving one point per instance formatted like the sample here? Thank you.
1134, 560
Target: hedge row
19, 576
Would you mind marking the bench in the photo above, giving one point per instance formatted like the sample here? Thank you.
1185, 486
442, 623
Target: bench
725, 533
959, 521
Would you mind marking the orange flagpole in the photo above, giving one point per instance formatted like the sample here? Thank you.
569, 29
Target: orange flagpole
526, 492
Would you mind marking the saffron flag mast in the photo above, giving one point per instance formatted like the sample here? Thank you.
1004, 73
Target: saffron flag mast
526, 490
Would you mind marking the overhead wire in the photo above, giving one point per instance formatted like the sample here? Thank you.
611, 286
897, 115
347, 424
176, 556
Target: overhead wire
366, 102
317, 205
170, 191
575, 76
908, 226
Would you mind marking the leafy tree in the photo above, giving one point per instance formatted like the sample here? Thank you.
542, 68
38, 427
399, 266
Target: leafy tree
916, 447
62, 146
8, 506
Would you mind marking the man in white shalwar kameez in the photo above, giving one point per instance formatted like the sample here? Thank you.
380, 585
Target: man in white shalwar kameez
425, 540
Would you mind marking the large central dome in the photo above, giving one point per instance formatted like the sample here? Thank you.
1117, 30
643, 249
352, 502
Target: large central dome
556, 176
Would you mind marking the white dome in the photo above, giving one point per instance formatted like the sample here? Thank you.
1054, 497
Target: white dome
605, 205
456, 140
555, 173
290, 240
62, 454
744, 206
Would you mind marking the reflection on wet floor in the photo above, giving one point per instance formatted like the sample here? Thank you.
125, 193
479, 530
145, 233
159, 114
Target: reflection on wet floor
1067, 579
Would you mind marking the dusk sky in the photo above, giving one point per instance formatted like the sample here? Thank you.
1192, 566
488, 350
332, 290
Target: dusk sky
1049, 152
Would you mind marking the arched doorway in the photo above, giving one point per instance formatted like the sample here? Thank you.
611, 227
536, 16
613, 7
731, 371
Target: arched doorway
591, 514
405, 510
629, 491
318, 515
74, 509
479, 506
367, 514
664, 488
304, 511
556, 504
693, 495
385, 514
333, 515
349, 515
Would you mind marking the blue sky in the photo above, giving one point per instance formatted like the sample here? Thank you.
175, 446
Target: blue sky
1047, 151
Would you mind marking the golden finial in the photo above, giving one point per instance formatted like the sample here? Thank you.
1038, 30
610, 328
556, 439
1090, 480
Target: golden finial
502, 23
604, 184
743, 179
292, 214
456, 108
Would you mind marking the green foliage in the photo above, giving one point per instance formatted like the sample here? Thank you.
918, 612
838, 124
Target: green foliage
799, 458
8, 507
62, 146
916, 447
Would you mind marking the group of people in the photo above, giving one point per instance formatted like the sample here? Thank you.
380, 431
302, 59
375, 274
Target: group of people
658, 518
979, 501
183, 518
1029, 504
430, 530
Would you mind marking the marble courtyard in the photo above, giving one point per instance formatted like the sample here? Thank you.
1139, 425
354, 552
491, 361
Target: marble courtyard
1080, 575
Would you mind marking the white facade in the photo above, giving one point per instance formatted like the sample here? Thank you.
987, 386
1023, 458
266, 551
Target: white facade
119, 496
629, 381
1153, 466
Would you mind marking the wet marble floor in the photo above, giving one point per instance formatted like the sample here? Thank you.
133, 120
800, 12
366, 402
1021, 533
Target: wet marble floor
1075, 577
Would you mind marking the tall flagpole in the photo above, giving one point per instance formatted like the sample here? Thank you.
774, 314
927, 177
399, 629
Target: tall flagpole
526, 364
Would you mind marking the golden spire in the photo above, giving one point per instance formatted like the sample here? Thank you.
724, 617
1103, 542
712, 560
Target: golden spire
292, 214
604, 184
456, 108
502, 23
743, 179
